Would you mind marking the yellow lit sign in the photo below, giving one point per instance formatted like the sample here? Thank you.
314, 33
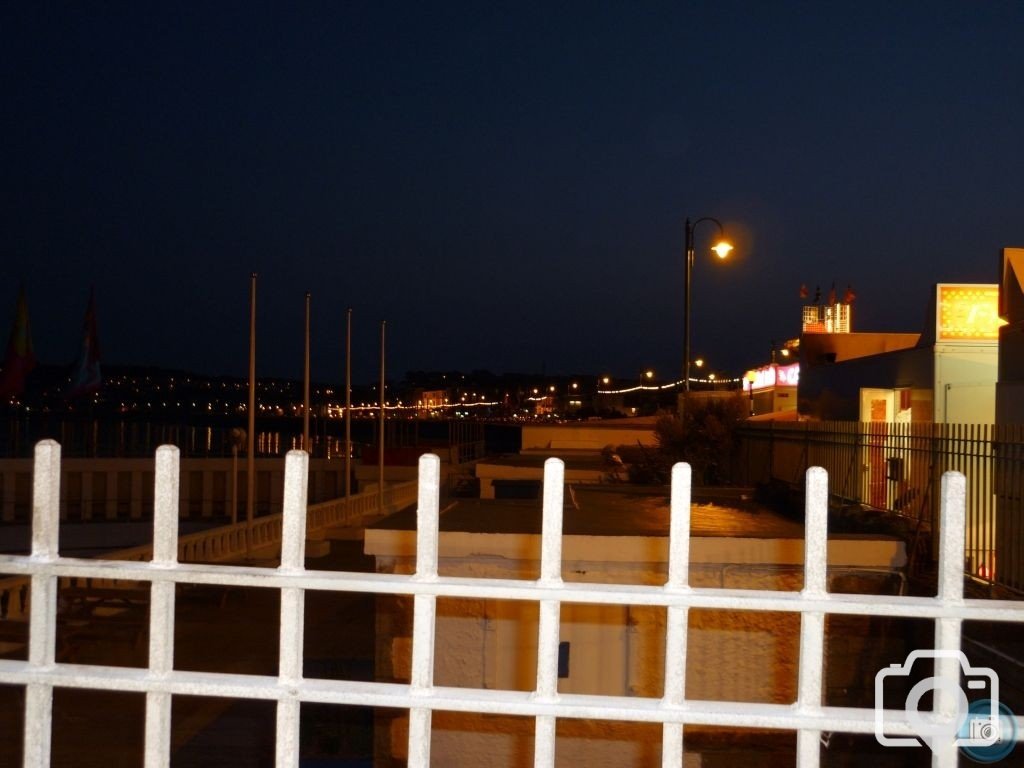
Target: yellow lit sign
967, 313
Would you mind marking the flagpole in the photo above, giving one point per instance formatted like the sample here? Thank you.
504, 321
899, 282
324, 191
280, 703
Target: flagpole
348, 403
305, 392
250, 459
380, 436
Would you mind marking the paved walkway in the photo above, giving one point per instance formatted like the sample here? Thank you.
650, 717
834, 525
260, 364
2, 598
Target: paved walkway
234, 630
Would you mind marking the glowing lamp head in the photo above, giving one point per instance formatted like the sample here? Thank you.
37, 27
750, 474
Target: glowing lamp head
699, 362
722, 249
649, 374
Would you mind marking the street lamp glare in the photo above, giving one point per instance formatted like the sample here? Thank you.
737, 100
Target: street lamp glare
722, 249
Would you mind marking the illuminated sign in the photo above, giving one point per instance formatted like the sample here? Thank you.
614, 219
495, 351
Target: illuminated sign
774, 375
967, 313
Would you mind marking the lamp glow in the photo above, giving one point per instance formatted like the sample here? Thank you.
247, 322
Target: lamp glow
722, 249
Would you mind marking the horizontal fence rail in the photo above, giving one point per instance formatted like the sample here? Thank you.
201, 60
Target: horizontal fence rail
808, 716
227, 543
898, 467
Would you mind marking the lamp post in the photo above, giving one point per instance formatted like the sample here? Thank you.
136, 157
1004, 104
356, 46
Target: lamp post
721, 249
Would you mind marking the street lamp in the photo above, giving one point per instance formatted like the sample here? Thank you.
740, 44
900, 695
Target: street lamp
721, 249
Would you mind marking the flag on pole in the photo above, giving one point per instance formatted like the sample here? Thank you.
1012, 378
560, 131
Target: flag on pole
849, 296
86, 376
804, 293
20, 359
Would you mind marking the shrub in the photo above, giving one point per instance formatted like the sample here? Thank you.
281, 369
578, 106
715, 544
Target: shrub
705, 437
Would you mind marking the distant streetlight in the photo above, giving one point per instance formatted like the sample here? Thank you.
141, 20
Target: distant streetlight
721, 249
606, 380
699, 362
649, 374
751, 377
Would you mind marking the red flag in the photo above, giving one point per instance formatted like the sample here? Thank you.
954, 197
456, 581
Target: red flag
87, 377
20, 359
804, 293
849, 296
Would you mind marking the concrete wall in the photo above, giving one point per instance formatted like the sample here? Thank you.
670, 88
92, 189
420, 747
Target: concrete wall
122, 489
593, 435
614, 650
1010, 416
831, 391
965, 383
1010, 390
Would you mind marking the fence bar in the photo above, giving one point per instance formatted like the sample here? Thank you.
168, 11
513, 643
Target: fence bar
292, 629
424, 607
551, 531
42, 603
677, 617
897, 467
161, 605
808, 718
812, 624
953, 495
550, 610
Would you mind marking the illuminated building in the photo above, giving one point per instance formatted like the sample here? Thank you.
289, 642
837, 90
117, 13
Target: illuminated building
945, 374
827, 318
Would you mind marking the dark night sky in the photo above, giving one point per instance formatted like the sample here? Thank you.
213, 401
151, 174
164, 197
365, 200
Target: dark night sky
506, 185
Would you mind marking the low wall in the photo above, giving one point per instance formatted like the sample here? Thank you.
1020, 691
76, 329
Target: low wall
122, 489
593, 435
619, 650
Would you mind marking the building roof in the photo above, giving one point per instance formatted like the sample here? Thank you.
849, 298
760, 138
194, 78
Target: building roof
608, 511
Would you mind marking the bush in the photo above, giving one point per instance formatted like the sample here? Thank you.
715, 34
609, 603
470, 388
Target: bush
705, 437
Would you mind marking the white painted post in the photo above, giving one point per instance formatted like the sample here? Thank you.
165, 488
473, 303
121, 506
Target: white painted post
292, 634
161, 610
812, 623
43, 604
952, 534
550, 610
424, 607
677, 616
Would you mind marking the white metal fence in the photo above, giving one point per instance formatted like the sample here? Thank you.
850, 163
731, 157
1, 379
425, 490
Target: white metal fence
807, 716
